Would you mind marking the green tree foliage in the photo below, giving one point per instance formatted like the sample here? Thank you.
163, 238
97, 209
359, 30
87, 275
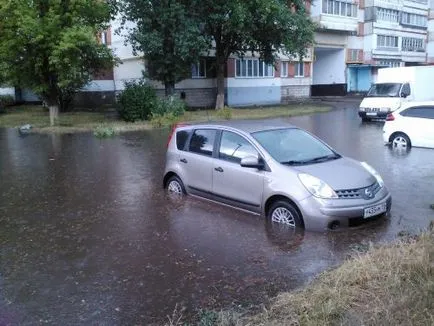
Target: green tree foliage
168, 33
51, 46
264, 27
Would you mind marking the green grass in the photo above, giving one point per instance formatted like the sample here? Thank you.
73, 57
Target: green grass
258, 112
88, 121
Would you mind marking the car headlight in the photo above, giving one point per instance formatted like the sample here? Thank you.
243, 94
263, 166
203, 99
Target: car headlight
317, 187
372, 171
362, 109
384, 109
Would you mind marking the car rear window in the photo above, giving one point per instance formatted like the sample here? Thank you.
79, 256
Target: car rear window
419, 112
202, 141
181, 139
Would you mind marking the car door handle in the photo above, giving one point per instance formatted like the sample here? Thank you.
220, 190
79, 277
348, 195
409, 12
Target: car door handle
219, 169
183, 160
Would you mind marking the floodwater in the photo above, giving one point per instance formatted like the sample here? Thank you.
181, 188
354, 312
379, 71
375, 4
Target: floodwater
87, 235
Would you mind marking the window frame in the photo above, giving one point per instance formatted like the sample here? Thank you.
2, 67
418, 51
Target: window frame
299, 66
259, 69
341, 8
198, 70
282, 64
387, 39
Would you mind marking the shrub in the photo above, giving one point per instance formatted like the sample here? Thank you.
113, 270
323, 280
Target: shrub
167, 119
137, 101
171, 105
225, 113
104, 132
6, 100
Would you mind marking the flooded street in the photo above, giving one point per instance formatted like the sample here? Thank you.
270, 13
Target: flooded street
87, 235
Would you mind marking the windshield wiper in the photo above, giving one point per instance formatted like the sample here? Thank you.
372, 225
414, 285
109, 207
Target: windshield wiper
313, 160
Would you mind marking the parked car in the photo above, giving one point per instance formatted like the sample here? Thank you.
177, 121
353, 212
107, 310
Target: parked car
275, 169
411, 125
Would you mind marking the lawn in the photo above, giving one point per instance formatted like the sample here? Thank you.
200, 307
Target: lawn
86, 121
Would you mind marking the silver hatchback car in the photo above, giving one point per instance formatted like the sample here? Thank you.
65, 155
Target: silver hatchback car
276, 169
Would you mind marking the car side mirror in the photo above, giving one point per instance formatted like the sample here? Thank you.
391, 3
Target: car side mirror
252, 162
403, 94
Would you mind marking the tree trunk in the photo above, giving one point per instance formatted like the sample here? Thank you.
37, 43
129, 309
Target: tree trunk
169, 88
220, 101
54, 114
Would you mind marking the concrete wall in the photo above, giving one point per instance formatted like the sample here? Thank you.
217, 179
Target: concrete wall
329, 66
253, 91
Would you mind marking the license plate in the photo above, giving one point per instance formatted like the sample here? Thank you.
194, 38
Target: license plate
371, 113
375, 210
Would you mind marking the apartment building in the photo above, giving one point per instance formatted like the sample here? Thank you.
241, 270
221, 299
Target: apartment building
354, 39
358, 37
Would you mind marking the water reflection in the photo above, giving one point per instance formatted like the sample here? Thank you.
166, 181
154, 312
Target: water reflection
88, 235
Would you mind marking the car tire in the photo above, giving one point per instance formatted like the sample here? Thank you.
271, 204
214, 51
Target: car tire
283, 212
175, 186
365, 119
400, 140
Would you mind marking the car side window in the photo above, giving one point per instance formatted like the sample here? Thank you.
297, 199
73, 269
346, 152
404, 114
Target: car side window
406, 89
202, 141
181, 139
419, 112
234, 147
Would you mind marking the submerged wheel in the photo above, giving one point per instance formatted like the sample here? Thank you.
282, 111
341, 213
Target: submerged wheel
285, 213
175, 186
400, 141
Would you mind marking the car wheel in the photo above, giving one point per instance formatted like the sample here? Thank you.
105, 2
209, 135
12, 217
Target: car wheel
365, 119
400, 141
175, 186
285, 213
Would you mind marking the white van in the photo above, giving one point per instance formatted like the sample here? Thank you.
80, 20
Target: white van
395, 86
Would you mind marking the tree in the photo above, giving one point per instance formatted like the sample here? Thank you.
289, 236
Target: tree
168, 33
51, 46
263, 27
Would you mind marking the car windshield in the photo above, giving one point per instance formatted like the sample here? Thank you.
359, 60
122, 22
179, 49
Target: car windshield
294, 146
384, 90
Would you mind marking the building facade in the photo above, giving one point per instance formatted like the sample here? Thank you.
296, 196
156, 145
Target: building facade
353, 40
358, 37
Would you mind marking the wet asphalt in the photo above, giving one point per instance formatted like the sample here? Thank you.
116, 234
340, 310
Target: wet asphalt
88, 236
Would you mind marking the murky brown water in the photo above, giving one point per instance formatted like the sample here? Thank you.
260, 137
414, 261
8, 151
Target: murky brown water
87, 235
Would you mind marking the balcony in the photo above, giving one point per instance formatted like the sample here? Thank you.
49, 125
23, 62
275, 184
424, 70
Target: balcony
337, 23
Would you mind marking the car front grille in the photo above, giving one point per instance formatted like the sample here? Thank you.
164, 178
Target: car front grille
360, 192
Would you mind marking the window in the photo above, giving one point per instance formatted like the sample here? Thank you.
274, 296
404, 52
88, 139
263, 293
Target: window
284, 69
388, 15
339, 7
299, 69
426, 112
413, 44
390, 63
353, 55
413, 19
198, 70
387, 41
202, 142
233, 147
181, 139
253, 68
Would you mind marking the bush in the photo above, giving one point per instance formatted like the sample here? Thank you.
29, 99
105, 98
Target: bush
5, 100
104, 132
167, 119
225, 113
171, 105
137, 101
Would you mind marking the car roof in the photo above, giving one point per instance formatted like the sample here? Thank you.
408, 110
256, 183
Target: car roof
248, 126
